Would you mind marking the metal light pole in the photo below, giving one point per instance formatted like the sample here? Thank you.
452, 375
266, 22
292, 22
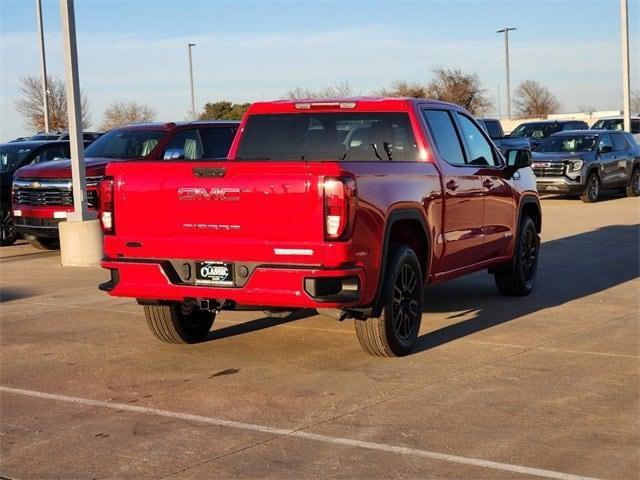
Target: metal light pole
43, 63
80, 212
626, 93
506, 31
193, 97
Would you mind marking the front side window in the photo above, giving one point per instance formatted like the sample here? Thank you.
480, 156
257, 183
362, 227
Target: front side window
480, 151
125, 144
605, 141
568, 144
444, 135
188, 145
352, 136
12, 156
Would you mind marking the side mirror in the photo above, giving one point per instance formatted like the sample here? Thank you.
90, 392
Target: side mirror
174, 154
605, 149
517, 159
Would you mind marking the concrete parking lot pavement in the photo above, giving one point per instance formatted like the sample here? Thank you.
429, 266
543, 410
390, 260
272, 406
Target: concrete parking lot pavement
546, 385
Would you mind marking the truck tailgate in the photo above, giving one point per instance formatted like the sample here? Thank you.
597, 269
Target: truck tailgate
268, 212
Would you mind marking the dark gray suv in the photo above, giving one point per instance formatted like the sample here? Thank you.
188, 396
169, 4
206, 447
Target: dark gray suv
585, 162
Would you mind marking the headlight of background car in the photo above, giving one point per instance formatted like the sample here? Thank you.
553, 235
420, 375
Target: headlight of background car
575, 165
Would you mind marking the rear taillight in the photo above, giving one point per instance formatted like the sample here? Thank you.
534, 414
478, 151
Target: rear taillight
339, 207
106, 205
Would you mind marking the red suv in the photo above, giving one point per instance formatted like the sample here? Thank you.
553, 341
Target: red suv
348, 206
42, 192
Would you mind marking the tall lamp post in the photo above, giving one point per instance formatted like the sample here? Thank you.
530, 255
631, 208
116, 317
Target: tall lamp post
80, 234
506, 31
43, 63
193, 97
626, 93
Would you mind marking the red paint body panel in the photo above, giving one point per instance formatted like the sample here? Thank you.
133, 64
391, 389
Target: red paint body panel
164, 211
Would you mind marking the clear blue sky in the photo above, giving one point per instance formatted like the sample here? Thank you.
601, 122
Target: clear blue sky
248, 50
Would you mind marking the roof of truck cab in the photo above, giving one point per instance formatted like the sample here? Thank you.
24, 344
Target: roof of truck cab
380, 104
172, 125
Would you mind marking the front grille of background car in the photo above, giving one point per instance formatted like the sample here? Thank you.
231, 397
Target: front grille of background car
54, 192
555, 169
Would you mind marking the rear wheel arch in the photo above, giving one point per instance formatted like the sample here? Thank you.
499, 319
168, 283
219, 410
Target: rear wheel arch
403, 227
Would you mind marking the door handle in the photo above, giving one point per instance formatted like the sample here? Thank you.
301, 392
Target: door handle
451, 185
487, 183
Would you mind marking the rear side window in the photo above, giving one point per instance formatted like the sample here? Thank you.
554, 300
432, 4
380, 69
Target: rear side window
619, 142
444, 135
216, 141
344, 136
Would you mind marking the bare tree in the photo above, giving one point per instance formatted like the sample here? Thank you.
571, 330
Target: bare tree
456, 86
401, 88
586, 108
337, 90
635, 102
532, 99
119, 114
31, 105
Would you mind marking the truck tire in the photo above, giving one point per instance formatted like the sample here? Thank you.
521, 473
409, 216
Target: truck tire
178, 323
518, 277
8, 234
633, 189
44, 243
592, 190
394, 333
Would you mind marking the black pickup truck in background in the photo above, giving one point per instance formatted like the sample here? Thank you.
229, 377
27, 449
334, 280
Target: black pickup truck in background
494, 129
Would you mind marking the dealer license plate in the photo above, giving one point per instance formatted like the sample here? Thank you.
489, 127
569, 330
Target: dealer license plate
214, 273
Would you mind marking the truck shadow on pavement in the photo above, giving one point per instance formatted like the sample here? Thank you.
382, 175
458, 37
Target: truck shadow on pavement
570, 268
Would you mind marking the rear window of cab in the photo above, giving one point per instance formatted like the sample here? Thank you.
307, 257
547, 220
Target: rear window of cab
322, 136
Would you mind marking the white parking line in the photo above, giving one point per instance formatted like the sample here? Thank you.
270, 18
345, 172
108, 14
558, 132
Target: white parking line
383, 447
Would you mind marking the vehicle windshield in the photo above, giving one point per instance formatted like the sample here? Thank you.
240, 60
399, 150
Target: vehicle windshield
125, 144
348, 136
11, 156
609, 124
535, 130
568, 144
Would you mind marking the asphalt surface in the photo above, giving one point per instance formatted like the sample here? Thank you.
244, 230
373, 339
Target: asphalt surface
543, 386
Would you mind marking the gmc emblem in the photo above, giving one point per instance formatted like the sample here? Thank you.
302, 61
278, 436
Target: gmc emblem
200, 193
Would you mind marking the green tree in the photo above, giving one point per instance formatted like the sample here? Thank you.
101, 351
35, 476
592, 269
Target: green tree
223, 111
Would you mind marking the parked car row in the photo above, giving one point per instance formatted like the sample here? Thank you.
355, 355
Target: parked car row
346, 206
42, 192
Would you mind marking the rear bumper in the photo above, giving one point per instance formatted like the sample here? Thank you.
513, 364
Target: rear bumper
267, 286
559, 185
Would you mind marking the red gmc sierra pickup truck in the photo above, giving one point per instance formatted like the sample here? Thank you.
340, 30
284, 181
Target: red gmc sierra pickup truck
348, 206
42, 194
